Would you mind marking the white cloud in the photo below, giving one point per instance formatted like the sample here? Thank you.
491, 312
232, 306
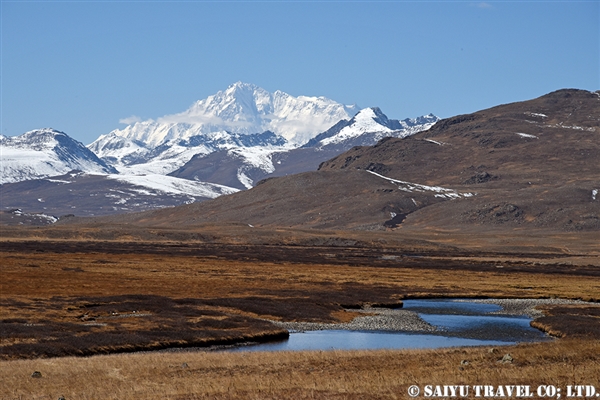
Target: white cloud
187, 118
484, 5
130, 120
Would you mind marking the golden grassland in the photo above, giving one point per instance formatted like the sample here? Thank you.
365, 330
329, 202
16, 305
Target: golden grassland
299, 375
90, 303
45, 275
57, 303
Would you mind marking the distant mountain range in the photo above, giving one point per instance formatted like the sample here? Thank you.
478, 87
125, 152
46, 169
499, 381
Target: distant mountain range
224, 143
243, 167
523, 166
84, 194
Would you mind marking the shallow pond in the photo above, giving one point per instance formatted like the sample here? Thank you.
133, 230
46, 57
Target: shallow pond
457, 323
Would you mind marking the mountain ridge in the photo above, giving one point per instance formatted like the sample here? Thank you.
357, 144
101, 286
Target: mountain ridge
365, 128
244, 108
526, 165
45, 152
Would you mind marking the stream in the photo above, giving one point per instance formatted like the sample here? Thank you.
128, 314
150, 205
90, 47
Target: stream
455, 322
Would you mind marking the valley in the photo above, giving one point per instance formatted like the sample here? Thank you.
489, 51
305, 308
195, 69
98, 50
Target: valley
501, 203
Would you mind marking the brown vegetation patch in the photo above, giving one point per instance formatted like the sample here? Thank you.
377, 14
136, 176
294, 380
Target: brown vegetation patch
99, 325
573, 321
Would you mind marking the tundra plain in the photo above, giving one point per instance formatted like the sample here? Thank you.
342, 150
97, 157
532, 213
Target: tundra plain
87, 309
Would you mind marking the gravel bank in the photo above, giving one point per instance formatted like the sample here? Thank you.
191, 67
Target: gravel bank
399, 320
524, 306
384, 319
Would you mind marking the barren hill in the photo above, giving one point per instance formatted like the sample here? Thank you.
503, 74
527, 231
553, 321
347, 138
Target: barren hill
531, 164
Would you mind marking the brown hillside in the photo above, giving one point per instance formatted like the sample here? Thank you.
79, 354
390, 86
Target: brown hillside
523, 165
544, 141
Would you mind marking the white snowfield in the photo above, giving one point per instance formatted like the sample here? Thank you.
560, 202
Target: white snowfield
244, 179
35, 155
174, 186
258, 157
415, 187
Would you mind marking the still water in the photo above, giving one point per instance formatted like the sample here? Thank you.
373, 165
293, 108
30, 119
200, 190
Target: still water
458, 323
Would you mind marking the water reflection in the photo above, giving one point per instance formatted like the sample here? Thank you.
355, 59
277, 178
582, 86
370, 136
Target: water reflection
458, 318
358, 340
458, 323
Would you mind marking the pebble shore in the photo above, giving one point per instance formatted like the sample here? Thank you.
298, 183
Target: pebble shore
523, 306
382, 319
399, 320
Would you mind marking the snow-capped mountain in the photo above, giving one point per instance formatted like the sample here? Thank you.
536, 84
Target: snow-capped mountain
230, 140
241, 117
134, 157
248, 132
244, 108
368, 127
244, 167
45, 152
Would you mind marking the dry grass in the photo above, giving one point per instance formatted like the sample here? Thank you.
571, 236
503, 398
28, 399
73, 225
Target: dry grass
47, 298
89, 303
45, 275
297, 375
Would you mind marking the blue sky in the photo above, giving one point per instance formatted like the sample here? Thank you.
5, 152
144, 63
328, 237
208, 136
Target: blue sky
82, 66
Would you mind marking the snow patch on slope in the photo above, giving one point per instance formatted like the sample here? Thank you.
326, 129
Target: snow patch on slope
174, 186
415, 187
244, 179
527, 135
434, 141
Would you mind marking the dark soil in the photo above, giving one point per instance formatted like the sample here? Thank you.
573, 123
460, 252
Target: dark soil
358, 256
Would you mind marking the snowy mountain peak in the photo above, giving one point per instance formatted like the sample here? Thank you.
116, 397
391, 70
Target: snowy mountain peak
244, 108
370, 120
240, 102
45, 138
46, 152
369, 126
